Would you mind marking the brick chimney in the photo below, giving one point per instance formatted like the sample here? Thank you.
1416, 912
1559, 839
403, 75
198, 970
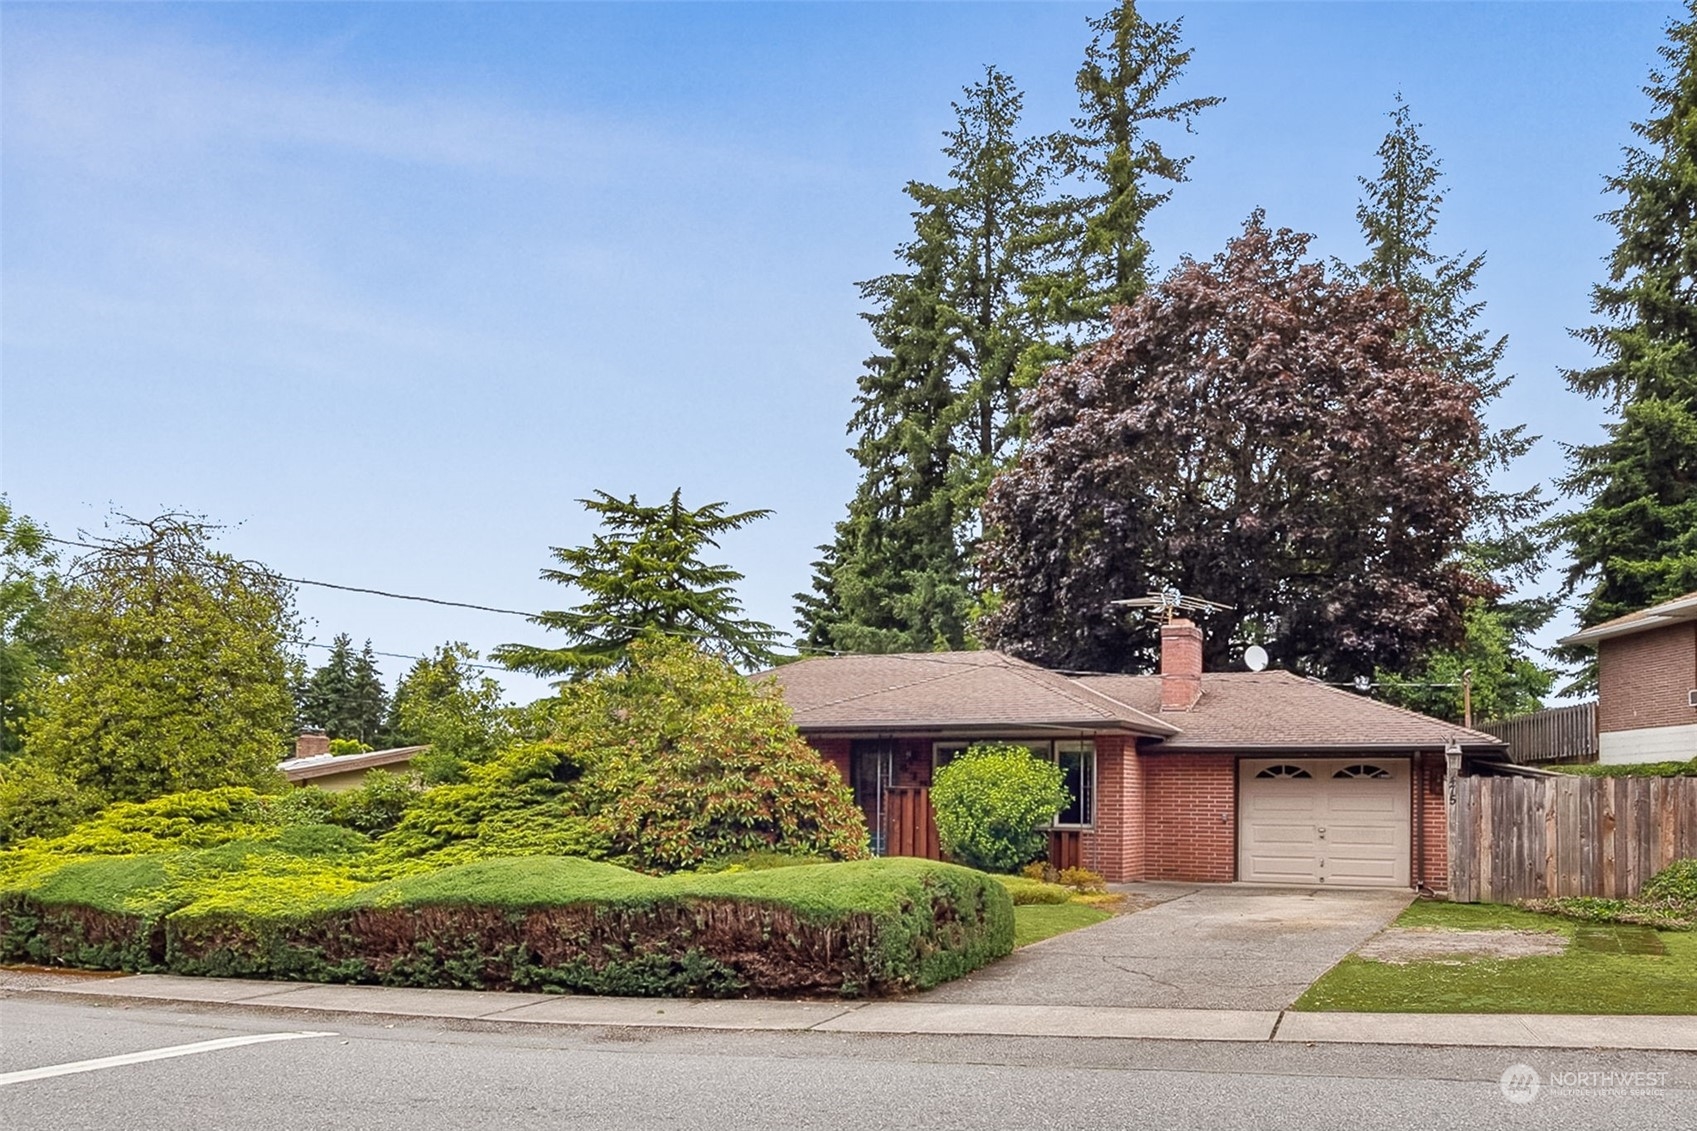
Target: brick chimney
1181, 665
311, 743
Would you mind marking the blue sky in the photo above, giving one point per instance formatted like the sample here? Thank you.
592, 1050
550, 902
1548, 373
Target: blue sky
392, 286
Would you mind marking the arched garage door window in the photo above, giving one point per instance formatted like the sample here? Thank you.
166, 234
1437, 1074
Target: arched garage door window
1362, 770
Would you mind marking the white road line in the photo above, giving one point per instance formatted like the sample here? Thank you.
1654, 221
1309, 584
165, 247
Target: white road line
151, 1054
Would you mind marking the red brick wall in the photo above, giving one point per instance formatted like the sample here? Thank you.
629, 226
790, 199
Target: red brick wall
911, 764
1429, 824
1115, 846
1185, 796
834, 751
1642, 679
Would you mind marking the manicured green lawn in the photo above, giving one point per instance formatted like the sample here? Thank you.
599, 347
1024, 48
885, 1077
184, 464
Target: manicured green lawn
1577, 981
1033, 922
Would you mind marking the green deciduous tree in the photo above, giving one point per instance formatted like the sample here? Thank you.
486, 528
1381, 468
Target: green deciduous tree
1126, 86
27, 644
1492, 656
345, 697
445, 703
993, 805
643, 572
175, 667
1634, 534
1256, 433
936, 414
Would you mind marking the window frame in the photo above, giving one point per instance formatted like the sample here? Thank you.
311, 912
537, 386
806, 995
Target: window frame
1047, 748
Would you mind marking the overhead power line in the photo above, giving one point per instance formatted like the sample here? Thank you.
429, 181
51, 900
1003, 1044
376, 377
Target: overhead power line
406, 656
345, 588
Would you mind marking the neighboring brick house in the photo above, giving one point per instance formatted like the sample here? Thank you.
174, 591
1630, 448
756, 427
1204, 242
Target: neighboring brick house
1188, 775
1646, 683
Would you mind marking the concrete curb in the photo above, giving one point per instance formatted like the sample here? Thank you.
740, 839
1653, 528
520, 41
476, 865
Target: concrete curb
1517, 1030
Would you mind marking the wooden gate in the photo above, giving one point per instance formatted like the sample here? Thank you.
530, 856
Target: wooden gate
1534, 838
909, 827
1066, 848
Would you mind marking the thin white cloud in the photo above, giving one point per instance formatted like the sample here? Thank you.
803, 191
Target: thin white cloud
119, 107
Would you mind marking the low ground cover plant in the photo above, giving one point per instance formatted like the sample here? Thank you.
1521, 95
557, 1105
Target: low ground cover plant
1667, 902
308, 905
1631, 769
672, 835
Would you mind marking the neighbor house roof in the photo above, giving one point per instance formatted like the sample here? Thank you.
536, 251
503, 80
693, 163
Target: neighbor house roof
1274, 710
983, 692
323, 765
1677, 611
948, 690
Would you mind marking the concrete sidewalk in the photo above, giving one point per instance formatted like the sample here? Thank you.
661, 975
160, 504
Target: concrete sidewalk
1671, 1033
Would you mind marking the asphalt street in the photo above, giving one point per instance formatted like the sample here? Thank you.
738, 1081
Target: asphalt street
431, 1075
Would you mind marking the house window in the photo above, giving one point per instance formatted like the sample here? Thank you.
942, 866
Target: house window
1077, 761
1075, 757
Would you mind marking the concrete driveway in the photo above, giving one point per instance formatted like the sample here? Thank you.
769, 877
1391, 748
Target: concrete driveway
1223, 946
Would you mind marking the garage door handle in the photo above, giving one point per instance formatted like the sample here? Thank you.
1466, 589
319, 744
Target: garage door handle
1322, 834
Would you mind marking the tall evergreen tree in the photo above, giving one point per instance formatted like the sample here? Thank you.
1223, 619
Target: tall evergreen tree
893, 579
1399, 217
643, 573
345, 697
936, 413
994, 208
1117, 167
1634, 536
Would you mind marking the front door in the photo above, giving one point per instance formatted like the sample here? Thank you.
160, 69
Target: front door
871, 765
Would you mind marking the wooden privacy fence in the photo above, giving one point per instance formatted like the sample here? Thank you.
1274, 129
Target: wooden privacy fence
1558, 734
1531, 838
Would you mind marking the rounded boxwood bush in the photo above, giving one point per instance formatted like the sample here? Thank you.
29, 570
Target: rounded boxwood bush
993, 804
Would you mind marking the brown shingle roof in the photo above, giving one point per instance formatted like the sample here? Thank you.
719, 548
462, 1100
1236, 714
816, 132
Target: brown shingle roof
1278, 710
1656, 616
982, 691
928, 690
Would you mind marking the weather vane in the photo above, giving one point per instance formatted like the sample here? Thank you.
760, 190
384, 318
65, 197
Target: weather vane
1169, 602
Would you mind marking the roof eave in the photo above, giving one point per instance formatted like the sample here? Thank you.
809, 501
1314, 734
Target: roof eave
980, 726
1195, 746
1681, 611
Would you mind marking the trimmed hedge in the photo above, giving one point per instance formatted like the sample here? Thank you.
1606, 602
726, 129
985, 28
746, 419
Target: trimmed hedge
533, 923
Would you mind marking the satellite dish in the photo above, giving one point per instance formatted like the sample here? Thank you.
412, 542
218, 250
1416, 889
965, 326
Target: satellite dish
1255, 657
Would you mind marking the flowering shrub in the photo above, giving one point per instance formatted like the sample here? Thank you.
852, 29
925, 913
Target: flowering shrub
993, 804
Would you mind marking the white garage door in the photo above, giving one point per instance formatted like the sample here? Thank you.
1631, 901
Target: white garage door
1340, 821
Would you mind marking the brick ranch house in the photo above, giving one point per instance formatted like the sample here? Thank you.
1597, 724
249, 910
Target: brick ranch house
1188, 775
1646, 683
